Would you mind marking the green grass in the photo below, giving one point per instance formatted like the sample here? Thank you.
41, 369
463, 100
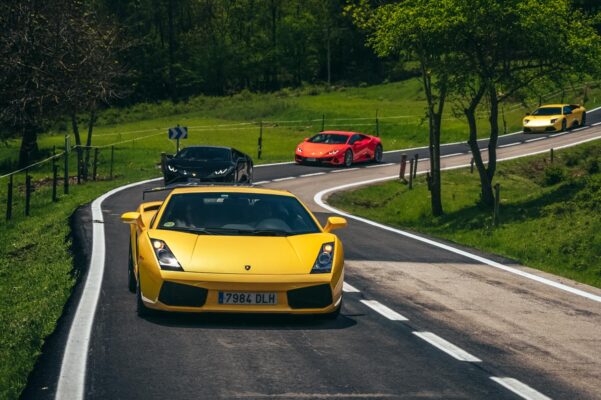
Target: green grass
36, 274
550, 214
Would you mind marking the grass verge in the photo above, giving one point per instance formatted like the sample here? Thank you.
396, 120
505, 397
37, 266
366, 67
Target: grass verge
550, 213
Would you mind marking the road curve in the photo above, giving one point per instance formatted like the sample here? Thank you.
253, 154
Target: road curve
417, 321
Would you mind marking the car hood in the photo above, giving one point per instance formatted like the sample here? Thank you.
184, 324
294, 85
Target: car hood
541, 117
200, 166
319, 149
266, 255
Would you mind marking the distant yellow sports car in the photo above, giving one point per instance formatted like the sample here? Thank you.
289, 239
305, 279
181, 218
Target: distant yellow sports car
234, 249
555, 118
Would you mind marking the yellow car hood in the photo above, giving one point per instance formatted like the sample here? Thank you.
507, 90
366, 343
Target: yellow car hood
232, 254
542, 117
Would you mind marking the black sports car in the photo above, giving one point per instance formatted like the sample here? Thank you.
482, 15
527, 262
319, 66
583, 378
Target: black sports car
208, 164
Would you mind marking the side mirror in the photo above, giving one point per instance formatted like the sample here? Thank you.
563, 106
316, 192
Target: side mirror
130, 217
169, 156
334, 223
527, 113
305, 139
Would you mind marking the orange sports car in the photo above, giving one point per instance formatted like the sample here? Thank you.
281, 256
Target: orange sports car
339, 148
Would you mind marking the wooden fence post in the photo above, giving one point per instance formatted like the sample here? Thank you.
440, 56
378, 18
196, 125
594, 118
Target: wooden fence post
95, 168
411, 163
497, 200
403, 167
27, 192
9, 199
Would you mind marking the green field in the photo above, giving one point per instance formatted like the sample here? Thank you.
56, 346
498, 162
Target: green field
550, 213
36, 277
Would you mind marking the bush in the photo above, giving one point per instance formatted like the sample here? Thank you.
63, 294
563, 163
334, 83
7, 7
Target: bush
554, 174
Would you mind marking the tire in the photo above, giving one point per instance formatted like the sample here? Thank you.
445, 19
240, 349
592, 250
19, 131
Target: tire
141, 309
131, 278
583, 119
348, 158
333, 315
378, 153
564, 126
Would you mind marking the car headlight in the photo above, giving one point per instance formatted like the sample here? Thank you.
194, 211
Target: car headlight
332, 152
221, 171
553, 120
323, 263
171, 168
526, 121
300, 150
164, 256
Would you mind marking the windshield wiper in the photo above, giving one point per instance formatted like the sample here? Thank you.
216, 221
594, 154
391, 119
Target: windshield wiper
200, 231
268, 232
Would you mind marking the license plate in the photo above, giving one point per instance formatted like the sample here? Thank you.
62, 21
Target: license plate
311, 159
262, 298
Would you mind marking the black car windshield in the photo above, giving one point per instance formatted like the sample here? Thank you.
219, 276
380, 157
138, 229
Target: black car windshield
205, 154
329, 138
547, 111
246, 214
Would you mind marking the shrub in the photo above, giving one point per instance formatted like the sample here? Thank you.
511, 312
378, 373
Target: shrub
554, 174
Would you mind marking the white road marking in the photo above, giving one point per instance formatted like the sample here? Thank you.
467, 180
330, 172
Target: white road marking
452, 155
349, 288
448, 347
383, 310
508, 145
318, 198
380, 165
344, 170
519, 388
72, 375
557, 134
272, 164
284, 179
596, 124
313, 174
261, 182
579, 129
534, 140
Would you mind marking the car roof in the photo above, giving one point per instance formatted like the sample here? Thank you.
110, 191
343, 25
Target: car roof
204, 146
553, 105
230, 189
346, 133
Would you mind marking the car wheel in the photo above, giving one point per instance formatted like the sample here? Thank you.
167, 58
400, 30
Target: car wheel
131, 278
141, 309
334, 314
348, 158
378, 154
583, 119
564, 126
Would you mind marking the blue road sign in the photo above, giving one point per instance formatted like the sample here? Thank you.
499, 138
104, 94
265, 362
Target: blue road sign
180, 132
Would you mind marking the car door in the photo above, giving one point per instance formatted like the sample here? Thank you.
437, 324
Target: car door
569, 116
359, 146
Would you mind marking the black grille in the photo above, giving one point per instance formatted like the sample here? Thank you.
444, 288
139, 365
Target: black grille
319, 296
175, 294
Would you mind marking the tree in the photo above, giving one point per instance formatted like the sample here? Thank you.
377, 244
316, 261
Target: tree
507, 46
422, 30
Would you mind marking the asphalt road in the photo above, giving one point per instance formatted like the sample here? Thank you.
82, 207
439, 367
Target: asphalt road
510, 326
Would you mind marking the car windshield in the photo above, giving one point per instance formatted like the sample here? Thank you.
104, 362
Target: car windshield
245, 214
547, 111
329, 138
205, 154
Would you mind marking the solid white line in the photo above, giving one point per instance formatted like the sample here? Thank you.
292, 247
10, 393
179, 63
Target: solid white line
314, 174
557, 134
534, 140
284, 179
448, 347
452, 155
596, 124
344, 170
318, 198
72, 375
508, 145
519, 388
349, 288
272, 164
261, 182
380, 165
383, 310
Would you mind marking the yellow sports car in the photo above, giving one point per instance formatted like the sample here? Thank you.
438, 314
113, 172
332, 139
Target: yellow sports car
555, 118
234, 249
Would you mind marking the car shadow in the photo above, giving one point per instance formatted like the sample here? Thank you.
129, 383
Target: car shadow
238, 321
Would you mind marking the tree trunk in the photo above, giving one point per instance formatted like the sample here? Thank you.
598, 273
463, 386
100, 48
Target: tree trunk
470, 113
172, 88
29, 144
75, 127
91, 122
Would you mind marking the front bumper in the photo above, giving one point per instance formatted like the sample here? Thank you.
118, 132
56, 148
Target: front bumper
332, 160
556, 127
196, 178
199, 292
